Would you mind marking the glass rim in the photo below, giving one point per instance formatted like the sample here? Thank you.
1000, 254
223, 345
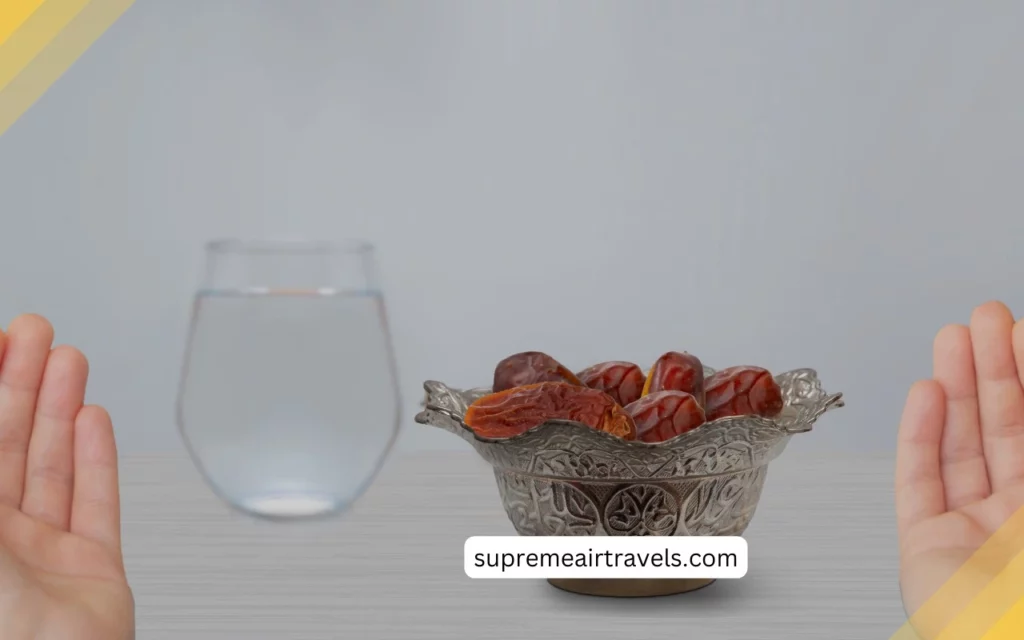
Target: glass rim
282, 246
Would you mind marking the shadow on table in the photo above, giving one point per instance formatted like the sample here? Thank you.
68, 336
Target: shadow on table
718, 597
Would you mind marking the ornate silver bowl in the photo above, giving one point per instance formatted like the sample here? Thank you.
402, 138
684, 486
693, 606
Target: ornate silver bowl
563, 478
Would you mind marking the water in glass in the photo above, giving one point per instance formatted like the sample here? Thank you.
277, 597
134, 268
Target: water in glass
288, 402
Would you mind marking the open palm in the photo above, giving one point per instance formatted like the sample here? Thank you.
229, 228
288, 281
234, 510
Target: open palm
61, 571
960, 461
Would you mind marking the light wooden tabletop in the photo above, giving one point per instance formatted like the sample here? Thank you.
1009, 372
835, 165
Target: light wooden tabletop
823, 563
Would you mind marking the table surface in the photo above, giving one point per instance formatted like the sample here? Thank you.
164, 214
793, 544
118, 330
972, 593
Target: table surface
823, 563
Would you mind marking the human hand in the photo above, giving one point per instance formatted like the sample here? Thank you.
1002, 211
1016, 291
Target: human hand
61, 570
960, 460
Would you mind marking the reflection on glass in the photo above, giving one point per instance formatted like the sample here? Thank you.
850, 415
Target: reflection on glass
288, 402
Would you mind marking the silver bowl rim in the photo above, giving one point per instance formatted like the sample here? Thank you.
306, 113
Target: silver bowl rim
786, 424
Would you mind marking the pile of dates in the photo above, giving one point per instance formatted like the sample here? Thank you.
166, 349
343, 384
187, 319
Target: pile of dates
673, 398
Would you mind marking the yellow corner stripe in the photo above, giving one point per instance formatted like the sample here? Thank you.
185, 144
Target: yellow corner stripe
44, 41
988, 608
34, 34
14, 14
1010, 626
971, 602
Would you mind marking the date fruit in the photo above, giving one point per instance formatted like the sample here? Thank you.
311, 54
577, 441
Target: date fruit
530, 367
514, 411
742, 391
676, 371
662, 415
623, 381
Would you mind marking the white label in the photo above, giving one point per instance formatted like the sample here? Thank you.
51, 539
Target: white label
605, 557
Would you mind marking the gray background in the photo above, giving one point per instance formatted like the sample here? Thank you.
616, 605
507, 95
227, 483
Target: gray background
779, 183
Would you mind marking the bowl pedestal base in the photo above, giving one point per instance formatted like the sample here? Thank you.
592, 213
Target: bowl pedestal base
630, 587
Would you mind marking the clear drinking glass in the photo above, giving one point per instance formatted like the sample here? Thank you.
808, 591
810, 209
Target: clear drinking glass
288, 402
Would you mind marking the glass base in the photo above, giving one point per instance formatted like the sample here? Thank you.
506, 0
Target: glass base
288, 506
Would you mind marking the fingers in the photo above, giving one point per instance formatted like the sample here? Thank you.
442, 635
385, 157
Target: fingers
21, 371
49, 474
964, 473
96, 505
919, 488
1000, 396
58, 459
1017, 339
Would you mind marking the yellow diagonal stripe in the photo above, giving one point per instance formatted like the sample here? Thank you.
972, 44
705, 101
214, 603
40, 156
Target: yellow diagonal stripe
44, 44
1010, 627
34, 34
982, 590
14, 14
995, 601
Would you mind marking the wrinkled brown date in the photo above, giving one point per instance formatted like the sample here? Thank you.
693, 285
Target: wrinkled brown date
530, 367
676, 371
623, 381
742, 391
517, 410
662, 415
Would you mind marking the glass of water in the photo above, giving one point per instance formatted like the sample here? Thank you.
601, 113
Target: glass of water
288, 402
